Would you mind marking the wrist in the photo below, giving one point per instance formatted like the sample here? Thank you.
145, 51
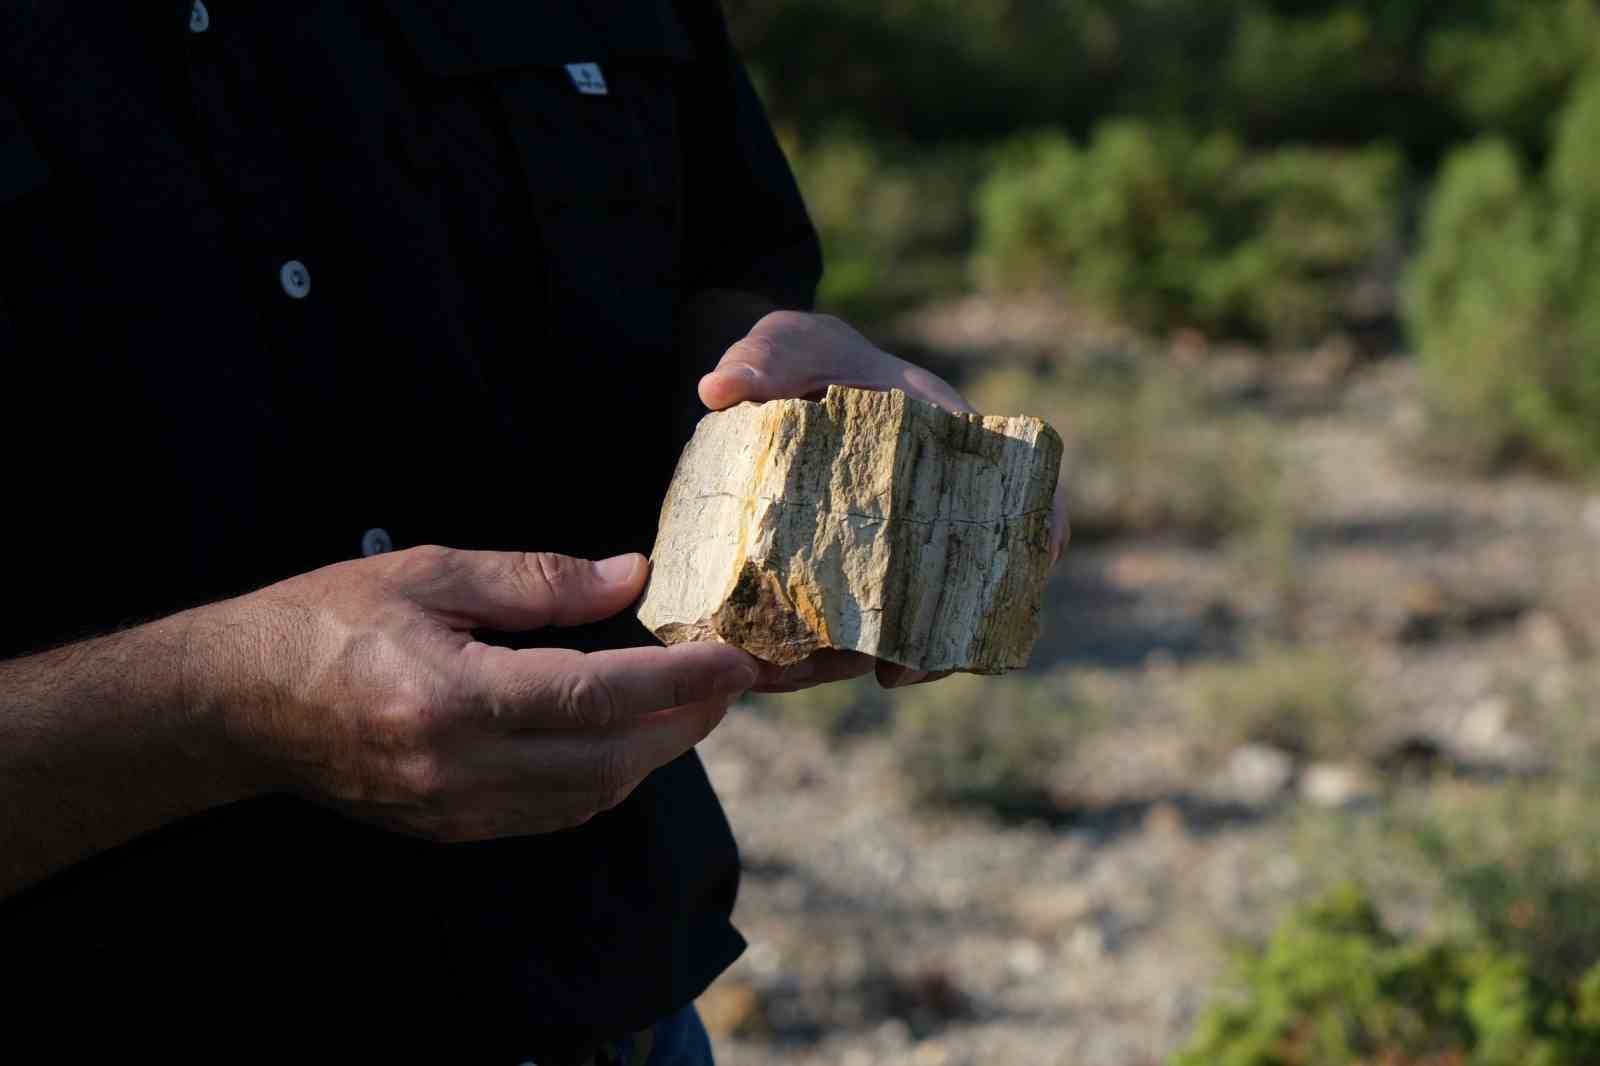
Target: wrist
219, 686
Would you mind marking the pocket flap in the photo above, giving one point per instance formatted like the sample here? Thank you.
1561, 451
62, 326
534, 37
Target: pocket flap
484, 36
22, 168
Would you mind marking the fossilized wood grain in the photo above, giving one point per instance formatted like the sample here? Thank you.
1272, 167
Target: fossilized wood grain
870, 521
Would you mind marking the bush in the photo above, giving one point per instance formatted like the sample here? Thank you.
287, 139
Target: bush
1300, 700
1169, 229
1341, 71
892, 230
1334, 987
1145, 453
991, 743
1523, 862
1511, 72
1502, 300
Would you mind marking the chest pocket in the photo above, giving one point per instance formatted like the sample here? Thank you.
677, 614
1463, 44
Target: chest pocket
589, 95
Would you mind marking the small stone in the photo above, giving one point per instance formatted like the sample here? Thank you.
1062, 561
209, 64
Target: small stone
1484, 724
869, 522
1025, 959
763, 959
1164, 819
1486, 739
1337, 786
1047, 910
1086, 944
1546, 635
894, 1033
1258, 773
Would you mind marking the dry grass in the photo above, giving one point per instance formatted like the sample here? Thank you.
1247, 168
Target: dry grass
1146, 452
1303, 700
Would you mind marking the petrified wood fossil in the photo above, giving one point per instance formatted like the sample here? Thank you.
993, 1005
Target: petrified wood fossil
870, 521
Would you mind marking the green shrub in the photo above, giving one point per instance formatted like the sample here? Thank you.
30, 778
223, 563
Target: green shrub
892, 230
1170, 229
990, 743
932, 71
1334, 987
1512, 71
1502, 299
1300, 699
843, 709
1341, 71
1523, 861
1145, 451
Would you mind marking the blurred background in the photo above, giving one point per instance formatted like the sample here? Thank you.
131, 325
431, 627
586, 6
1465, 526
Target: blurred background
1306, 768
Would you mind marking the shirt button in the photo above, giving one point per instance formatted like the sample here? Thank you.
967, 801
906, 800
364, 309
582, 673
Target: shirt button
376, 541
295, 279
199, 17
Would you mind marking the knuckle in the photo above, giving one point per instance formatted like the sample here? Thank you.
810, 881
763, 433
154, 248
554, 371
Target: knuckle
425, 559
538, 575
783, 319
410, 717
756, 348
421, 776
591, 701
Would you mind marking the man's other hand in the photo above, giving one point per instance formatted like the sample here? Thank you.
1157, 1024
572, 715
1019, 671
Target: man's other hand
361, 686
795, 355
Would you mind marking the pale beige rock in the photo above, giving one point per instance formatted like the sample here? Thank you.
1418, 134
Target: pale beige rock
870, 521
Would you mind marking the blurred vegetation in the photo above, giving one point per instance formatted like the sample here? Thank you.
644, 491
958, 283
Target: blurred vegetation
1167, 230
991, 743
1227, 175
1147, 450
1335, 987
1504, 296
1300, 699
897, 226
1255, 169
1418, 73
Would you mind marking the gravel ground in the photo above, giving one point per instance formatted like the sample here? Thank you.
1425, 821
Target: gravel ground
885, 931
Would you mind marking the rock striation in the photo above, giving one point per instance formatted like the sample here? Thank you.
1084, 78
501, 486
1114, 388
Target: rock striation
870, 521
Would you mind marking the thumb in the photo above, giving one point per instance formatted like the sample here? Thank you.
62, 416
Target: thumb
748, 372
517, 591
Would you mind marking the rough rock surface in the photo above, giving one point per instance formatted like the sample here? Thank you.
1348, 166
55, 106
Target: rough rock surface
870, 521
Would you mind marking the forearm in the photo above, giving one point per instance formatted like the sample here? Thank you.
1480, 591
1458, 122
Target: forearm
105, 740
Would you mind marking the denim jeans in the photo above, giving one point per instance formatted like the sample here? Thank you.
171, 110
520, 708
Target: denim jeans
679, 1040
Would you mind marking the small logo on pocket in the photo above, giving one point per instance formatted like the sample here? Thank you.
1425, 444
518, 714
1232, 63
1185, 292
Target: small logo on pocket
587, 78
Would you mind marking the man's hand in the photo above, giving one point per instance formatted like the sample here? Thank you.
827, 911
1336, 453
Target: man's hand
358, 686
363, 688
795, 355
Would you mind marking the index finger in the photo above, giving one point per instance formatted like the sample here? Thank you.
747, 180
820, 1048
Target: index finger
553, 688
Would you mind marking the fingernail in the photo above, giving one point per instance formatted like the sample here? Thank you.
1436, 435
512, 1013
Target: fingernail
618, 568
742, 369
733, 682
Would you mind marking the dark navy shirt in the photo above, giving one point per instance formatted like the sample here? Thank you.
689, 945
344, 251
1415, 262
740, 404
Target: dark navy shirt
283, 283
